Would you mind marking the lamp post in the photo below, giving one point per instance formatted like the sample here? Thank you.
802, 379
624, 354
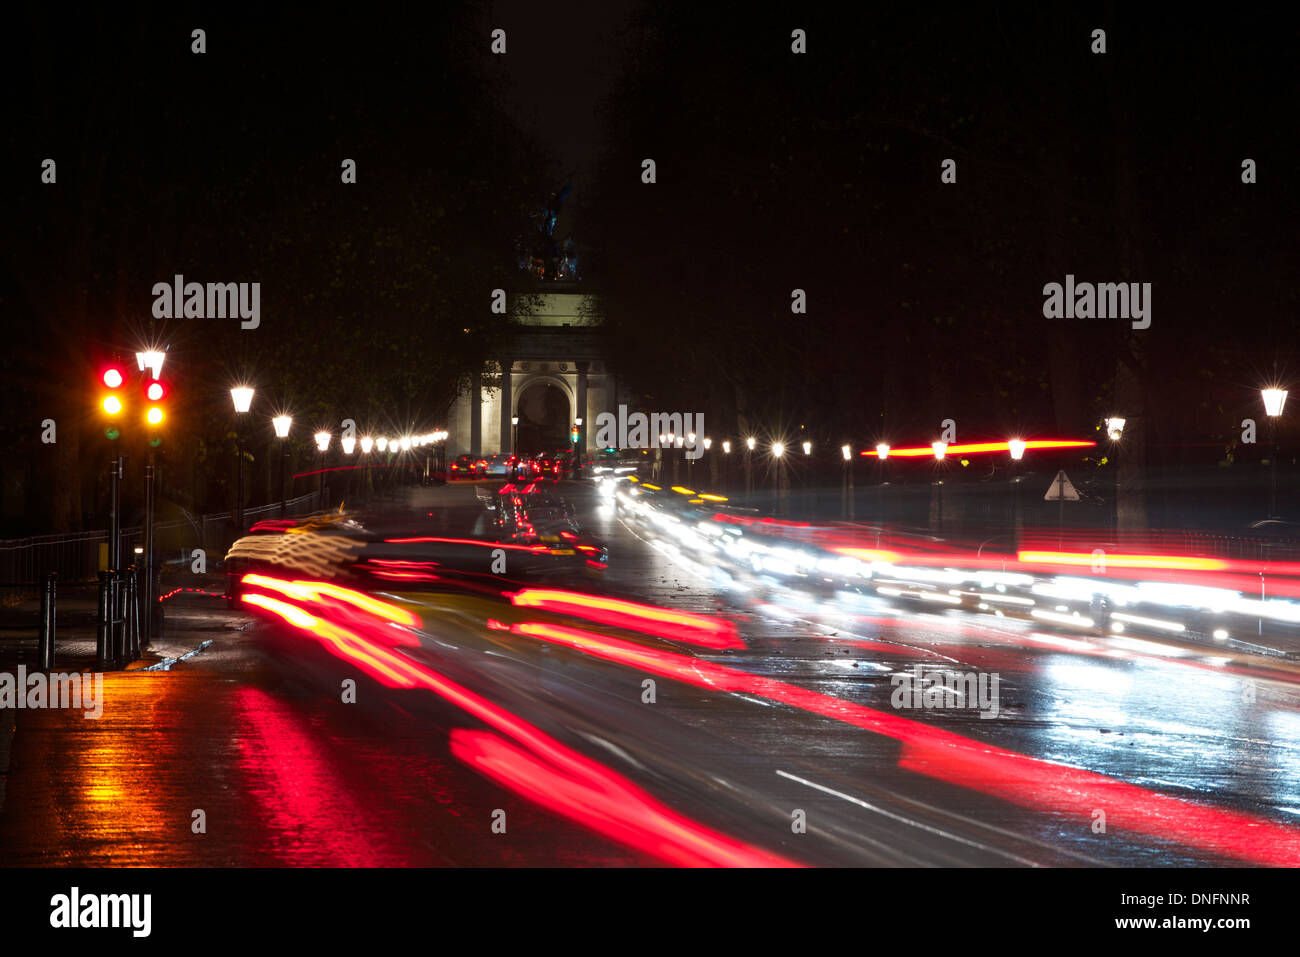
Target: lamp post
778, 453
846, 485
349, 444
940, 450
281, 425
749, 472
1017, 449
323, 444
242, 397
514, 435
1114, 431
882, 455
1274, 401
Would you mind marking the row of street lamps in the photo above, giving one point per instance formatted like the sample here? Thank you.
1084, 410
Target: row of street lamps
242, 397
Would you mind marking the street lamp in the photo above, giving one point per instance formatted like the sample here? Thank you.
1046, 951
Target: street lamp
1115, 430
940, 450
151, 360
322, 443
749, 472
726, 447
1017, 449
281, 425
367, 443
846, 494
807, 448
514, 435
778, 453
1274, 400
242, 396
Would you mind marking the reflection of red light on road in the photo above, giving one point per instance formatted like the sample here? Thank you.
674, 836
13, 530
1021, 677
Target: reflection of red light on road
548, 772
1018, 778
607, 803
703, 630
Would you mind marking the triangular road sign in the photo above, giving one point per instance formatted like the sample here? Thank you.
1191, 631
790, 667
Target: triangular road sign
1061, 489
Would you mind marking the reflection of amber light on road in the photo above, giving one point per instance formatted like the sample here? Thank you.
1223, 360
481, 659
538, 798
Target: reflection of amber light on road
580, 788
119, 778
1018, 778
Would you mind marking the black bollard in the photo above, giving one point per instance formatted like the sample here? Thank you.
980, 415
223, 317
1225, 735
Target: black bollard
119, 618
134, 604
45, 648
103, 649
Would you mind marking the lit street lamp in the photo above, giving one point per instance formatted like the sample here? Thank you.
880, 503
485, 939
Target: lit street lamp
242, 397
846, 487
322, 443
1017, 449
281, 425
940, 450
1274, 401
1115, 431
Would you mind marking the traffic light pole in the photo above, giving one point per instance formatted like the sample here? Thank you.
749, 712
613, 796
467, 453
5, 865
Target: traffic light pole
115, 513
150, 586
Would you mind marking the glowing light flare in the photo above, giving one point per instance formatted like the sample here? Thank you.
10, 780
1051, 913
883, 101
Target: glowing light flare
242, 397
111, 404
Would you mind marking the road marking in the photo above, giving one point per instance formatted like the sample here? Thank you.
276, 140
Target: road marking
906, 820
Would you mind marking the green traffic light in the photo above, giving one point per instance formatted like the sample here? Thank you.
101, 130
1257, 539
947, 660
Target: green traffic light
111, 432
156, 441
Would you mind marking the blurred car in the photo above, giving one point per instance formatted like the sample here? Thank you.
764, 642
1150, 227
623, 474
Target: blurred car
501, 464
466, 466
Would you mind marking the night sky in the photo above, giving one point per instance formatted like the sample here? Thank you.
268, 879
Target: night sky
777, 171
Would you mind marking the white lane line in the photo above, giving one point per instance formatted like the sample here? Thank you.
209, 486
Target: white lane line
905, 820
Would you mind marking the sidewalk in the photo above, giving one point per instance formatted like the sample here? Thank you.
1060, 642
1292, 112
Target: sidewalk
193, 618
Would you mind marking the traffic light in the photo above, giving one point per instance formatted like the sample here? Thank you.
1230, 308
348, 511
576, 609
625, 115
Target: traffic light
573, 434
111, 379
155, 391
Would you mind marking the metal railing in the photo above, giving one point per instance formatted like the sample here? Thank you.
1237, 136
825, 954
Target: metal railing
74, 556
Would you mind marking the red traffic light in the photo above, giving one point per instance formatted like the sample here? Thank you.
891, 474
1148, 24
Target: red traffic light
155, 391
113, 377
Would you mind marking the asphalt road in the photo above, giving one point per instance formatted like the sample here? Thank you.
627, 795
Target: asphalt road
528, 736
